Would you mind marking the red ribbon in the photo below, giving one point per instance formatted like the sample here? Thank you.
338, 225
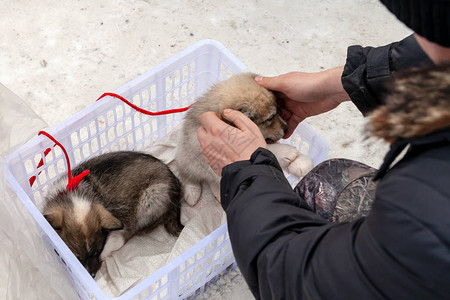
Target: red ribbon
146, 112
40, 164
73, 182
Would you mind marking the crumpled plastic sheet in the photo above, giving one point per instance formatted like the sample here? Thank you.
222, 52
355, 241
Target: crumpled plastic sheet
29, 270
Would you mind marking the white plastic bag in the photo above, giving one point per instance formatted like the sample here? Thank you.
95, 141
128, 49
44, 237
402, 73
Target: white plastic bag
29, 270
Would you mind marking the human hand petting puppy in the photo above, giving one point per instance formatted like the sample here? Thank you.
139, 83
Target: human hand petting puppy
301, 95
222, 144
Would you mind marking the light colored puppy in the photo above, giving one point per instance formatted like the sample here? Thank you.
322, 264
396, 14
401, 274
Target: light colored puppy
239, 92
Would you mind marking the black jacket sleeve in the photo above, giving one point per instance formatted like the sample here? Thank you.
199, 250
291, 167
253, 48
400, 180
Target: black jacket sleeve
285, 251
367, 69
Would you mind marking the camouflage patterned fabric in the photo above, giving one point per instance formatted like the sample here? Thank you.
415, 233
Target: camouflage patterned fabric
339, 190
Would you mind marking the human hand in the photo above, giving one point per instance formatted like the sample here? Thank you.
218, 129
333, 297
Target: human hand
301, 95
222, 144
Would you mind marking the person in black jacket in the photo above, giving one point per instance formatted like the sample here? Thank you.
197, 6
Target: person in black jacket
401, 250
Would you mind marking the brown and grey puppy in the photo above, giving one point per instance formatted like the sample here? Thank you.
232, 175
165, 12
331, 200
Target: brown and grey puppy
125, 192
239, 92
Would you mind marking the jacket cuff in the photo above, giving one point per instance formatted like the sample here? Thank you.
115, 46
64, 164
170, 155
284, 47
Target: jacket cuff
367, 70
262, 162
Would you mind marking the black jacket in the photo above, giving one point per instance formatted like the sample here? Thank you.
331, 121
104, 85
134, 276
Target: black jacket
367, 70
400, 251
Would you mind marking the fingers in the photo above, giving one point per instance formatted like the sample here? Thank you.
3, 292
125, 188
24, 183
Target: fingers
284, 113
292, 125
240, 120
212, 121
201, 132
270, 83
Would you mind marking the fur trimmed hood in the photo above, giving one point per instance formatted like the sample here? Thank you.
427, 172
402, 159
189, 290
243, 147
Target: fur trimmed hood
418, 103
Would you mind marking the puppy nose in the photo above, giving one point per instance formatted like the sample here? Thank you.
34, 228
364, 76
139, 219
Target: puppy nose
93, 265
285, 129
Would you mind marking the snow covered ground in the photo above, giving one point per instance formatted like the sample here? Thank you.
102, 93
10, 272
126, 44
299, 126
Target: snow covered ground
59, 56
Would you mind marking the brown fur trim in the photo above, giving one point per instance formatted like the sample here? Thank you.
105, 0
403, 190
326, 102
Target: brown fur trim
418, 103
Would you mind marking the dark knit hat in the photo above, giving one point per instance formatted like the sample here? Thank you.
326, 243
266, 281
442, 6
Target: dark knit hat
429, 18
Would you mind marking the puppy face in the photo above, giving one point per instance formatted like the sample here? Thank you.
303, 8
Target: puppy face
262, 110
242, 93
84, 227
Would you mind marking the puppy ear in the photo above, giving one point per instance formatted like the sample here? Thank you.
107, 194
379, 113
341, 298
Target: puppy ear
243, 110
247, 112
107, 221
55, 217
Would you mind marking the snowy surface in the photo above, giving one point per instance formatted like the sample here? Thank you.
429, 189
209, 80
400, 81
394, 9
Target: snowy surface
59, 56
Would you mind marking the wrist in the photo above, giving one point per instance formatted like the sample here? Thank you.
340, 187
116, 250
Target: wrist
332, 85
437, 53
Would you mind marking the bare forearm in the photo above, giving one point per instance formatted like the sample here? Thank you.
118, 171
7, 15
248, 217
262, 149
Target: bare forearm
331, 85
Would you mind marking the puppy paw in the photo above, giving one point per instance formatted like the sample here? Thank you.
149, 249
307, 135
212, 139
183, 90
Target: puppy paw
290, 160
301, 165
192, 193
114, 242
215, 189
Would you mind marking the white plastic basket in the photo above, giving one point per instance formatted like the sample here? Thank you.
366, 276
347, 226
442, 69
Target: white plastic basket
109, 125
